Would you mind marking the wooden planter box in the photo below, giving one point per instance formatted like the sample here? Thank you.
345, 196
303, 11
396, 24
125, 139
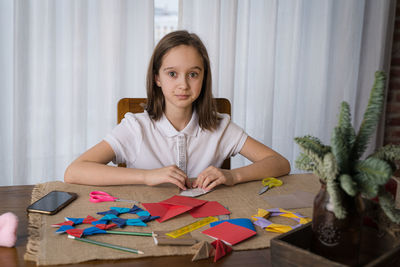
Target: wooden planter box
293, 249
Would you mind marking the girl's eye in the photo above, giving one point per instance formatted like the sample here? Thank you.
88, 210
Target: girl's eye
193, 74
172, 74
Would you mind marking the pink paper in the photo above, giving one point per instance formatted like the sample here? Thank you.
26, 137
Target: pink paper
229, 233
211, 208
183, 201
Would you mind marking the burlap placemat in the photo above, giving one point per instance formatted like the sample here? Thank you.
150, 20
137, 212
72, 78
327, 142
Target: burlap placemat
47, 248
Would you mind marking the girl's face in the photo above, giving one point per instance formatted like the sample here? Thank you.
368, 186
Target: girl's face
180, 77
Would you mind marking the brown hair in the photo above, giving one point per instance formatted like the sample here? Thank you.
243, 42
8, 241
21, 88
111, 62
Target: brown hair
204, 104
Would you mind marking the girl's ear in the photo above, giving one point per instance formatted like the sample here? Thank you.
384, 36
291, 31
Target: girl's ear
157, 80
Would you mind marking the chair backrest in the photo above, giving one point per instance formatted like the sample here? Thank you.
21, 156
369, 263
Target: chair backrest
137, 105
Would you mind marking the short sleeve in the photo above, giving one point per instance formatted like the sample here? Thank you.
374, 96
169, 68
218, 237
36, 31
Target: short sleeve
233, 137
125, 139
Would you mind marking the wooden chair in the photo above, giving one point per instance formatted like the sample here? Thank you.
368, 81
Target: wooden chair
136, 105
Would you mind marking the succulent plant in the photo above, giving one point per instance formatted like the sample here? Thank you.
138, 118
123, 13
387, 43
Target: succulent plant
340, 165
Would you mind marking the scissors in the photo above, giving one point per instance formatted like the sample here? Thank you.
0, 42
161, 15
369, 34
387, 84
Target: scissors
100, 196
269, 183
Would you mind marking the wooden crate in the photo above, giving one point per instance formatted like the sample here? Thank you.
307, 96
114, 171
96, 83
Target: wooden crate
293, 249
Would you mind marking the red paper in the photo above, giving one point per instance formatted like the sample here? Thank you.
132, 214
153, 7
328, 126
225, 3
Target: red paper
211, 208
229, 233
221, 249
63, 223
75, 232
105, 226
89, 219
172, 207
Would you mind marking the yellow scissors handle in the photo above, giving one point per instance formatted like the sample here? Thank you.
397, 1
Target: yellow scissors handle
271, 182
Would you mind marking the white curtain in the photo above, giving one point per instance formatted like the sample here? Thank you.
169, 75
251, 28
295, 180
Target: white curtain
286, 65
63, 66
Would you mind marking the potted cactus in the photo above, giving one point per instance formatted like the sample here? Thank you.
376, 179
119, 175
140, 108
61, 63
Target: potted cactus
347, 178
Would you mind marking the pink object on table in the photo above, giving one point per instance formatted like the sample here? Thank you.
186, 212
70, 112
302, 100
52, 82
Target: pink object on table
229, 233
211, 208
221, 249
8, 229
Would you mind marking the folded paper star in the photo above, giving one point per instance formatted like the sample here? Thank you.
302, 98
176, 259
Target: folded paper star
203, 250
221, 249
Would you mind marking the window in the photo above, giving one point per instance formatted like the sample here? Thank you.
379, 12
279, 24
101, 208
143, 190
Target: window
165, 17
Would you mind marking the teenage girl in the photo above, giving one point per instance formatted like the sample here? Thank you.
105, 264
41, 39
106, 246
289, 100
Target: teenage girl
180, 134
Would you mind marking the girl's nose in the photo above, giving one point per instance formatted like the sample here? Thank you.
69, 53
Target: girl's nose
183, 83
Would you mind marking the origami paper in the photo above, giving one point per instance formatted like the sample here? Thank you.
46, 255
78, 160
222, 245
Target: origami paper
244, 222
221, 249
135, 222
99, 222
63, 229
63, 223
89, 219
211, 208
193, 192
93, 230
229, 233
105, 226
172, 207
148, 218
108, 217
203, 250
119, 221
134, 209
143, 213
108, 212
75, 220
75, 232
120, 210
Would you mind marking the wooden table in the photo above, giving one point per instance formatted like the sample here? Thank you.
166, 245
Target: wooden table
17, 198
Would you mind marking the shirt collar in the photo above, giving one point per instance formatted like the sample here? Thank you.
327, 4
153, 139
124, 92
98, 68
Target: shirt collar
191, 129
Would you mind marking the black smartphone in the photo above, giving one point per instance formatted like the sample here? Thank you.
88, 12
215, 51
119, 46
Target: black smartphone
52, 203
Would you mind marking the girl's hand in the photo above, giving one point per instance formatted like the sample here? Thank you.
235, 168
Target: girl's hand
212, 176
170, 174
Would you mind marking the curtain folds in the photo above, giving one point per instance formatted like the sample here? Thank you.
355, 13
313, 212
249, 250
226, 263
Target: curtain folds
291, 63
285, 66
71, 61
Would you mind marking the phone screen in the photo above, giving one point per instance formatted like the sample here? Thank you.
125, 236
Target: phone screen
52, 202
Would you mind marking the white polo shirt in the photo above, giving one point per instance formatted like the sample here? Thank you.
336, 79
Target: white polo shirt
142, 143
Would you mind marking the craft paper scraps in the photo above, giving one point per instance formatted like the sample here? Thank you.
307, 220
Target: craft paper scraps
229, 233
273, 227
172, 207
221, 249
135, 209
203, 250
244, 222
99, 222
64, 228
119, 222
211, 208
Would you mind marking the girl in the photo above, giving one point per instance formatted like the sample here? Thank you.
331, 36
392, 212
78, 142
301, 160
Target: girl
180, 134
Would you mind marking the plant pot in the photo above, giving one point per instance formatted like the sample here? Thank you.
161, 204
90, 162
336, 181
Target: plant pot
333, 238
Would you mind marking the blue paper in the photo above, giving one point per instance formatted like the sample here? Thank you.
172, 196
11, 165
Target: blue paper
148, 218
120, 210
135, 209
244, 222
119, 221
143, 213
135, 222
100, 222
108, 212
108, 217
93, 230
75, 220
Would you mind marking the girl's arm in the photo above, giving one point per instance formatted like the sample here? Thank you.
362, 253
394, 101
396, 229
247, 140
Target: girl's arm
91, 169
266, 163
